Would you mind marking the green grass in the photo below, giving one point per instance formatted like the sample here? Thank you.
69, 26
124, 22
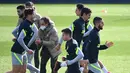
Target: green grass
117, 29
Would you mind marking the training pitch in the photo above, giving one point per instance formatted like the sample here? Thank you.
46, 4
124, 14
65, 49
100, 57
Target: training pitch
116, 29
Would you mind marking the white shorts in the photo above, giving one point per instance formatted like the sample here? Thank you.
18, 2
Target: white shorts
19, 59
94, 67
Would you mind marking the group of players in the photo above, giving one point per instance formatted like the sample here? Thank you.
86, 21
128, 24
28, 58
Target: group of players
76, 61
82, 30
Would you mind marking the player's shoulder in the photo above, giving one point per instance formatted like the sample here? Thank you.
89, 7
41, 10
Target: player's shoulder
74, 42
77, 20
25, 24
93, 33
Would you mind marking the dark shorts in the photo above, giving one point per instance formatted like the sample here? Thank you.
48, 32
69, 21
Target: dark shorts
74, 68
17, 48
84, 50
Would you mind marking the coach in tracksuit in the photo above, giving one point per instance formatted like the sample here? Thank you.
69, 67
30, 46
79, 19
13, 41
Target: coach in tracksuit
37, 18
48, 39
94, 46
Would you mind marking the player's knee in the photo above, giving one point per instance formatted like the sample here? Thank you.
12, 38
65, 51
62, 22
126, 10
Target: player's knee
16, 70
23, 71
84, 63
85, 71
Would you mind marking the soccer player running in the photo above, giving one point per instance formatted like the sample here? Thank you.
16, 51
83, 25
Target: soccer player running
93, 46
78, 26
87, 29
25, 34
74, 54
20, 12
31, 44
36, 19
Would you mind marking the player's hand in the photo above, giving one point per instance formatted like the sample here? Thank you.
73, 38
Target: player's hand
30, 52
109, 44
63, 58
38, 41
58, 47
64, 64
14, 39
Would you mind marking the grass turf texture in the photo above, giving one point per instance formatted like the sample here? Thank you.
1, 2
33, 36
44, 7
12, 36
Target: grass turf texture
117, 19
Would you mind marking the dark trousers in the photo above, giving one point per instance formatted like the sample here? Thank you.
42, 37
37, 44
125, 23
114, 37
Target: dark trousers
45, 56
36, 58
74, 68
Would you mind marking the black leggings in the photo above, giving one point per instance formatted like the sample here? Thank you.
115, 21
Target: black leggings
45, 56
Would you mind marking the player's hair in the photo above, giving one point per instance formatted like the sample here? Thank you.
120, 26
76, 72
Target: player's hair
45, 19
86, 11
29, 3
67, 31
96, 19
28, 11
21, 7
80, 6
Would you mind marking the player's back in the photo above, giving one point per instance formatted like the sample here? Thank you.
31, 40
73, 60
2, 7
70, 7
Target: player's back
78, 28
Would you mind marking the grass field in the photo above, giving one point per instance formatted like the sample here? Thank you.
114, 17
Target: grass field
117, 29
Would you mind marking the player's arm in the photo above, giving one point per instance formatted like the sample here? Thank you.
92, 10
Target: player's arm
79, 53
79, 56
15, 32
107, 45
102, 47
90, 27
35, 30
21, 40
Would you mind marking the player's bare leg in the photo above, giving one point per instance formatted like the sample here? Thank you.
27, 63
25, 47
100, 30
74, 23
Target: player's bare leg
100, 63
84, 64
103, 67
16, 68
23, 69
